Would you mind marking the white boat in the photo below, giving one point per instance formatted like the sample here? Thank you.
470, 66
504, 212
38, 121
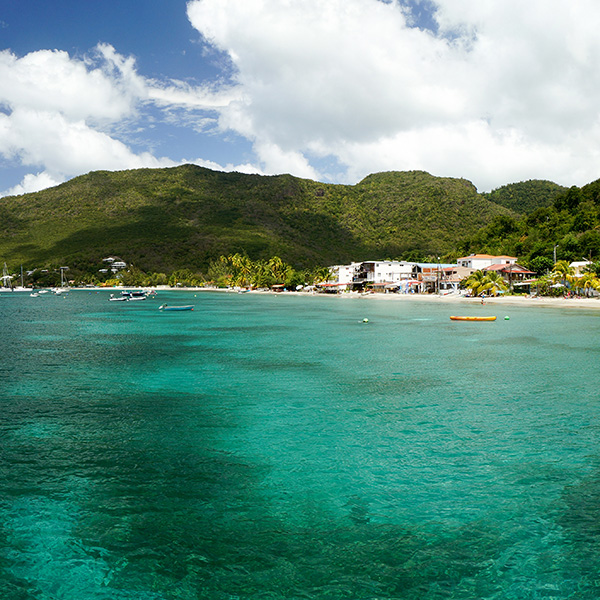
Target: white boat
6, 286
167, 307
137, 295
63, 286
114, 298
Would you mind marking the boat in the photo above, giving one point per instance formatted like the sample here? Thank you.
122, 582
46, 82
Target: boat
454, 318
114, 298
167, 307
137, 295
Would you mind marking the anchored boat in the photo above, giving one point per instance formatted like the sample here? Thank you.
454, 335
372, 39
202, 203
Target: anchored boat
167, 307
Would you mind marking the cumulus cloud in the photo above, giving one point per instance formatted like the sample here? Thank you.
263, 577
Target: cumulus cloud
495, 91
66, 115
491, 91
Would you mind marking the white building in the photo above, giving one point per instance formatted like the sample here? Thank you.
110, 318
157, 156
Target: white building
481, 261
579, 267
383, 272
380, 274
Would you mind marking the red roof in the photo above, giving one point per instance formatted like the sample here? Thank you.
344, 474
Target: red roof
508, 269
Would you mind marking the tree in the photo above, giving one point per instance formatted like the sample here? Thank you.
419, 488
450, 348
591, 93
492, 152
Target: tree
541, 264
475, 282
562, 273
493, 283
588, 281
489, 283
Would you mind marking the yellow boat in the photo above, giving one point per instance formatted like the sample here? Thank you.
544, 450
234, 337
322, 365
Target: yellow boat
472, 318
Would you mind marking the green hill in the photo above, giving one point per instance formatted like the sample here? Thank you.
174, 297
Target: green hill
526, 196
570, 224
163, 219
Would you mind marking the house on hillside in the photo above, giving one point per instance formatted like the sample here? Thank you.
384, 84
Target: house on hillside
481, 261
115, 264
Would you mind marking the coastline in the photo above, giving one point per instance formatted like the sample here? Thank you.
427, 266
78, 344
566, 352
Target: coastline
450, 299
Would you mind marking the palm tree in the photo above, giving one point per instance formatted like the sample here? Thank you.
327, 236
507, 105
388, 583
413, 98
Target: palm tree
562, 272
242, 269
475, 282
321, 274
588, 281
489, 283
494, 283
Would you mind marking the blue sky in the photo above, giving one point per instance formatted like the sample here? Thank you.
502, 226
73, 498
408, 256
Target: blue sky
495, 92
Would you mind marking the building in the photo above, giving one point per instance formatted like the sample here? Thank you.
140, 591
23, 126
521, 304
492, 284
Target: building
452, 276
380, 275
481, 261
579, 267
513, 274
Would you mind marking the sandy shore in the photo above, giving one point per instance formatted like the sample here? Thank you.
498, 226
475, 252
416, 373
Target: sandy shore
591, 303
450, 299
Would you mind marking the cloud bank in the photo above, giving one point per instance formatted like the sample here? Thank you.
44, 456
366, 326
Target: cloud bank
495, 92
68, 116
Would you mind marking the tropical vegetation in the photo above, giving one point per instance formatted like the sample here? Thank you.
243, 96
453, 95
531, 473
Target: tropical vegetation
189, 225
186, 217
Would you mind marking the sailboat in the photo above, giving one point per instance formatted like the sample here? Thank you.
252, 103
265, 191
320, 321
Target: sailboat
63, 286
21, 288
6, 279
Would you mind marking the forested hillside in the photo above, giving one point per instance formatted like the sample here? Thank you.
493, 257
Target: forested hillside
186, 217
569, 226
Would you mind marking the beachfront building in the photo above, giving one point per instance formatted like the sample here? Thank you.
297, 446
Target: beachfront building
431, 277
379, 275
481, 261
383, 275
513, 275
452, 275
341, 277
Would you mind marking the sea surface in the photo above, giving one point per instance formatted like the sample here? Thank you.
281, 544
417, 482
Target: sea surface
272, 447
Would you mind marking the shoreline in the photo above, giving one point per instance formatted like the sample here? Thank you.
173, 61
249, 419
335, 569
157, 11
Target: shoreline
450, 299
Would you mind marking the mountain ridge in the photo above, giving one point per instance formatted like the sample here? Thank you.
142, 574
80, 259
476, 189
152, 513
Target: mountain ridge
186, 216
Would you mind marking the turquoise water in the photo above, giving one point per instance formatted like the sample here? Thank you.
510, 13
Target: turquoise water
277, 447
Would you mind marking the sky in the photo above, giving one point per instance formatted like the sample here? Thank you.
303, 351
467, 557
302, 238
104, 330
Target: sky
493, 91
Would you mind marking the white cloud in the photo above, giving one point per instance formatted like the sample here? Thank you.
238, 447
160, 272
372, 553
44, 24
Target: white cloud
67, 116
497, 92
503, 91
32, 183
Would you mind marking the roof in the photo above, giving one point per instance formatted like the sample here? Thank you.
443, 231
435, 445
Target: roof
485, 256
508, 268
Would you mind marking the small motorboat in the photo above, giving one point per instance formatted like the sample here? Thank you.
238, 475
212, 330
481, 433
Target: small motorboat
167, 307
114, 298
454, 318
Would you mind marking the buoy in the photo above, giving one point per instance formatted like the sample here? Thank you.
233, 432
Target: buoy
365, 320
507, 318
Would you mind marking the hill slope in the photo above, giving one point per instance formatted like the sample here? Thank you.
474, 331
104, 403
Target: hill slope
526, 196
162, 219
